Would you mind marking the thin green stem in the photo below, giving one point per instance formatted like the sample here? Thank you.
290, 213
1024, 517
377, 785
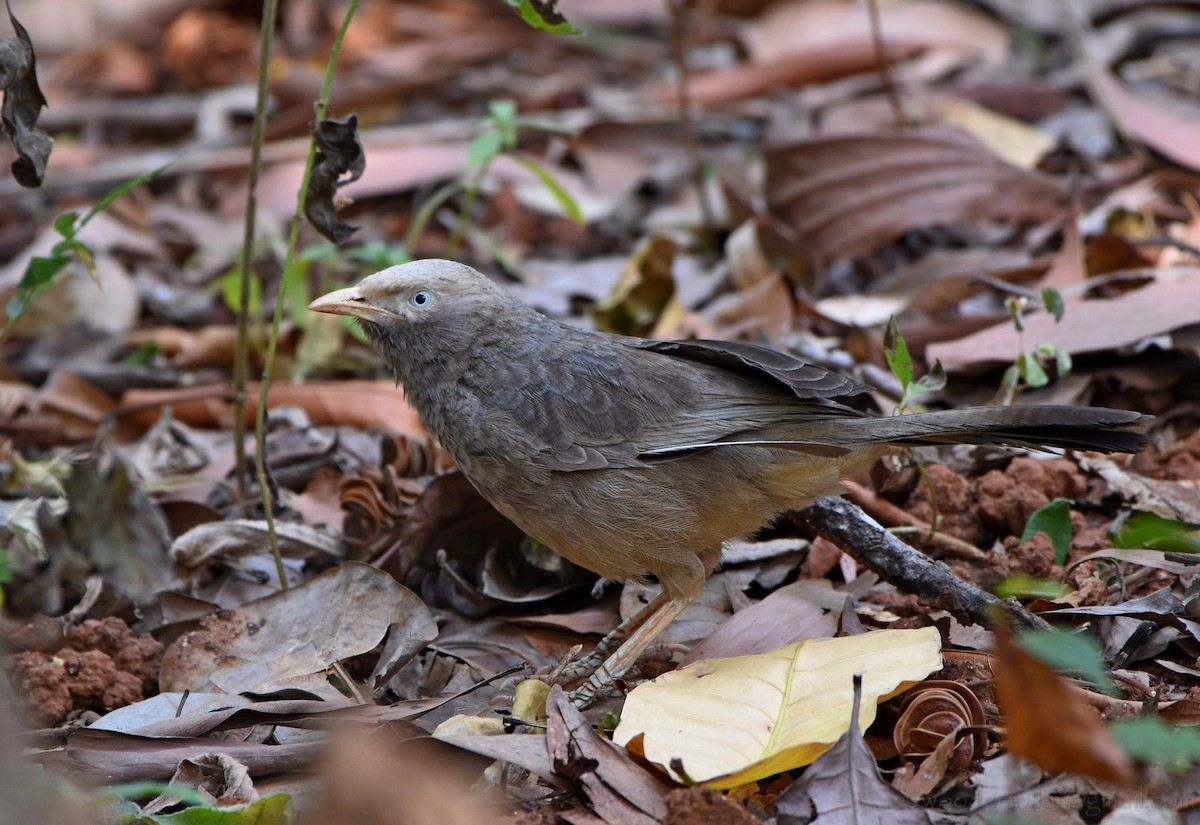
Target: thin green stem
260, 419
257, 138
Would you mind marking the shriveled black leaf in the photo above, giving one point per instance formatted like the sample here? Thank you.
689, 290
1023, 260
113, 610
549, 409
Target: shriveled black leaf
339, 153
23, 101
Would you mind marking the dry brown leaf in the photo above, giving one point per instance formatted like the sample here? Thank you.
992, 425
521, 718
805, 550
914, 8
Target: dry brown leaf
801, 25
1069, 265
321, 501
619, 790
845, 195
209, 49
74, 404
1176, 137
1087, 325
803, 41
1048, 722
210, 346
361, 404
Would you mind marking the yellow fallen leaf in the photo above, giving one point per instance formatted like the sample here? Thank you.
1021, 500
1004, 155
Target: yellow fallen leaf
733, 721
1018, 143
463, 725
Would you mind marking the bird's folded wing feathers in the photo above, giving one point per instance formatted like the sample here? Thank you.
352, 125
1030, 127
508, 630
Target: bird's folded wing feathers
807, 382
764, 401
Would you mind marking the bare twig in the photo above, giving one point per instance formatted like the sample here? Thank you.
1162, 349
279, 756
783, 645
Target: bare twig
242, 357
679, 55
885, 64
931, 581
260, 420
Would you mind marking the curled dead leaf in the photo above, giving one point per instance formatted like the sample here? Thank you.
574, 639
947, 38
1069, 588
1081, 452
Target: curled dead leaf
934, 710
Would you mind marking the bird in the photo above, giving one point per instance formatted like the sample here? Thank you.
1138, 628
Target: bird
638, 458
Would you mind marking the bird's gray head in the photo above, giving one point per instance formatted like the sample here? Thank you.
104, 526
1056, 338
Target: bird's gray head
423, 313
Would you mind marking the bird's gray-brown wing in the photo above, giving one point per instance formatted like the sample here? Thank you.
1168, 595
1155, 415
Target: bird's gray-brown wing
807, 382
619, 402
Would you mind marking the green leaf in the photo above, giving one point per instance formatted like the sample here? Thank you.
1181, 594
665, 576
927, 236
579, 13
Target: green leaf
542, 16
568, 203
504, 115
1053, 519
143, 356
1031, 370
269, 810
65, 224
895, 350
1141, 529
1073, 652
1053, 301
1153, 742
484, 148
230, 285
85, 255
41, 271
295, 287
150, 790
120, 190
1025, 586
5, 566
1062, 361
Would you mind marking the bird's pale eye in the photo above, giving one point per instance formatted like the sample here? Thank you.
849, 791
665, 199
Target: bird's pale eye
420, 299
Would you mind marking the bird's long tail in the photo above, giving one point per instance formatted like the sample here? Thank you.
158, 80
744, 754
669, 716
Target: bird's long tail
1072, 427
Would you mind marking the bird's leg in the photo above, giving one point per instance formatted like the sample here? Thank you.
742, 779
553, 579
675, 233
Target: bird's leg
587, 665
627, 654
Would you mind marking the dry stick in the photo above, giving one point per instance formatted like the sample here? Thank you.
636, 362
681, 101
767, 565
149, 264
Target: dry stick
903, 522
847, 526
679, 54
260, 417
242, 357
885, 64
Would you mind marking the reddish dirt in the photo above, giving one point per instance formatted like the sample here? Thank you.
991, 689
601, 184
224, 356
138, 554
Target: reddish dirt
995, 507
955, 502
1178, 462
704, 806
97, 666
1007, 498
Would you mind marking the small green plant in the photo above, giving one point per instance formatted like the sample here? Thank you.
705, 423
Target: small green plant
1053, 519
1152, 531
1025, 586
499, 137
1076, 653
1152, 741
5, 572
1029, 370
42, 271
899, 361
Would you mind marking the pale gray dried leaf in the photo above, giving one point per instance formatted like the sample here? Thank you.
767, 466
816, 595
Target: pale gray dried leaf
785, 616
291, 638
232, 542
844, 785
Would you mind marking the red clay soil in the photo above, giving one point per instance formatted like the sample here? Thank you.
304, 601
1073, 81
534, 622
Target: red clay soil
96, 666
